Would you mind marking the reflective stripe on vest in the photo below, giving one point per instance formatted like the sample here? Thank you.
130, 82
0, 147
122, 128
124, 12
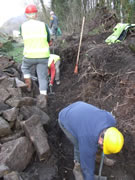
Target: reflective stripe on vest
35, 39
53, 57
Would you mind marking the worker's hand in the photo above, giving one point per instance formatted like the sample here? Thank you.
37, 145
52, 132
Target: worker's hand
50, 43
50, 84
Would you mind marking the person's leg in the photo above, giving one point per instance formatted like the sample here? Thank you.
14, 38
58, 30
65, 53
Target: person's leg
77, 168
73, 140
55, 31
25, 67
42, 73
57, 75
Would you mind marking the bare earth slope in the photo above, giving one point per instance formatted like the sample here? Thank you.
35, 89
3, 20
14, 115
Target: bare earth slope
106, 78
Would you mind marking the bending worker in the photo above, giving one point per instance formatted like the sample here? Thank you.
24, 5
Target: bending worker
88, 127
36, 39
54, 69
53, 23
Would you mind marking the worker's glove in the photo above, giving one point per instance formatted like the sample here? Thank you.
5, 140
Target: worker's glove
50, 84
77, 171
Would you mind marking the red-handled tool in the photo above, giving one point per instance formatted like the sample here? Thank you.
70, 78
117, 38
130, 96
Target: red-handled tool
77, 60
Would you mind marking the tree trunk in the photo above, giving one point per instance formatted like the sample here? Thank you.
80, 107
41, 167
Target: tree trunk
43, 7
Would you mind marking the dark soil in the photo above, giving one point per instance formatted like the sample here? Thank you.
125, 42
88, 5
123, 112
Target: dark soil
106, 79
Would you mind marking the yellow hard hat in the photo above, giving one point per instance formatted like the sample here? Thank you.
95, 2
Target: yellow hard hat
113, 141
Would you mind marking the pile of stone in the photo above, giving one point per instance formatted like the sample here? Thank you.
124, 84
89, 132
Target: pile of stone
22, 132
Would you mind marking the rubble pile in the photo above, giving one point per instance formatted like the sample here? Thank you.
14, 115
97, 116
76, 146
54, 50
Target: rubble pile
22, 133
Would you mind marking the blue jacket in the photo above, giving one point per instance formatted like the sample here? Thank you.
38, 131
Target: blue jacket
53, 21
85, 122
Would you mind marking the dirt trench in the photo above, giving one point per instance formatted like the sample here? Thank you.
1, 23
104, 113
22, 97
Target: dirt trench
105, 79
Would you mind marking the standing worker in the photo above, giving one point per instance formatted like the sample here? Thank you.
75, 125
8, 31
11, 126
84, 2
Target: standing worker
53, 23
36, 39
88, 128
54, 69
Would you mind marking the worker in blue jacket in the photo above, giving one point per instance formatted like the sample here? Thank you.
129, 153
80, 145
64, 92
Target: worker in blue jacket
53, 23
88, 128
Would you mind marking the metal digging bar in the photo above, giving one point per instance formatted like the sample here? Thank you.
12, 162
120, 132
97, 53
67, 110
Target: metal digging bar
51, 91
99, 177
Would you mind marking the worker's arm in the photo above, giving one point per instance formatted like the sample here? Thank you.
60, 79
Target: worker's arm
52, 72
48, 33
87, 150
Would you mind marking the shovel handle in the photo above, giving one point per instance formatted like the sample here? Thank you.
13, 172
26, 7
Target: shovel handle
101, 165
50, 89
77, 60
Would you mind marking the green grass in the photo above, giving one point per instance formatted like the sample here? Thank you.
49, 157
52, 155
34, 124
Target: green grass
97, 30
16, 52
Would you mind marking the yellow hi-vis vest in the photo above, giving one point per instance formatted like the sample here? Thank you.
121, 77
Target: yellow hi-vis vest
53, 57
35, 39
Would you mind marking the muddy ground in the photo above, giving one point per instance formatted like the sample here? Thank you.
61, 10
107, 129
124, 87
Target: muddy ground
106, 79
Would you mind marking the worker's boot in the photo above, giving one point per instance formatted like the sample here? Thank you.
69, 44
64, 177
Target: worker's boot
77, 171
28, 83
58, 82
42, 102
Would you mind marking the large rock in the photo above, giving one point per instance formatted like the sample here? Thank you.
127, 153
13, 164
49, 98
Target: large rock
28, 111
13, 101
15, 135
3, 107
4, 127
19, 83
7, 82
11, 114
35, 131
21, 101
4, 94
42, 102
17, 154
15, 92
12, 176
